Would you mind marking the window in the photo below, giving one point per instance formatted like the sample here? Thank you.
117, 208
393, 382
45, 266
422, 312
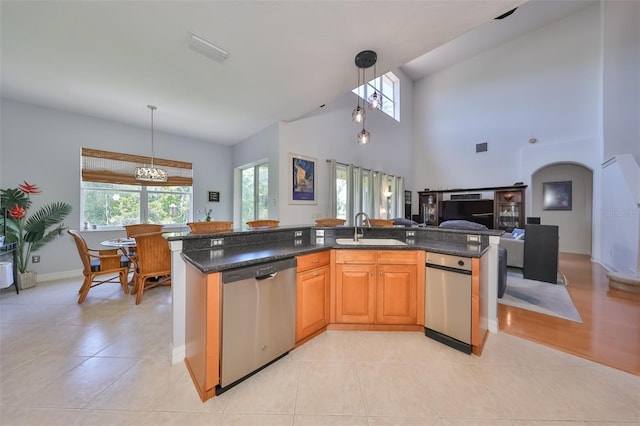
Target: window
372, 192
110, 197
389, 86
108, 205
255, 192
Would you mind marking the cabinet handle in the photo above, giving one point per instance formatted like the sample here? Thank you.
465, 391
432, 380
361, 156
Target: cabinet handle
315, 261
315, 274
371, 273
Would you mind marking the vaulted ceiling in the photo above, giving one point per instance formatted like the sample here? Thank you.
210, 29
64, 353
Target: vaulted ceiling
110, 59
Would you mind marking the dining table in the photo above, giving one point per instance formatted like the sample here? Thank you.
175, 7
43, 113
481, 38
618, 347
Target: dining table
127, 243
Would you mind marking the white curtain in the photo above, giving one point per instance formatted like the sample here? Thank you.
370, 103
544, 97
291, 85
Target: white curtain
332, 188
365, 192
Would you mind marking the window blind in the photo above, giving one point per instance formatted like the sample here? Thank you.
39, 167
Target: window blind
118, 168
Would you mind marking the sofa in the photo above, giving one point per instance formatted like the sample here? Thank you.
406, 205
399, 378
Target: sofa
513, 243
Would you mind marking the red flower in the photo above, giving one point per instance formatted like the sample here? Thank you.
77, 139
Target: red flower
29, 189
17, 212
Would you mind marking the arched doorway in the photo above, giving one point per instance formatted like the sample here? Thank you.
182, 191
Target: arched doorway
574, 225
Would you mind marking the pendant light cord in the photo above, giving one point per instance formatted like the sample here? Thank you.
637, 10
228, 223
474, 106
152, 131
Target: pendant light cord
152, 108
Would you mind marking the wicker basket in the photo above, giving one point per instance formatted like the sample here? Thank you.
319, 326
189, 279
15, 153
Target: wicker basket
207, 227
265, 223
386, 223
330, 222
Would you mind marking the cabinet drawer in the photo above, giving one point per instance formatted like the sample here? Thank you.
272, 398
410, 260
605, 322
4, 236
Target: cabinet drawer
355, 256
312, 260
398, 257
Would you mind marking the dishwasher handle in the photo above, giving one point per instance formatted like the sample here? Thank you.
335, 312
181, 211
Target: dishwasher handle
448, 269
267, 277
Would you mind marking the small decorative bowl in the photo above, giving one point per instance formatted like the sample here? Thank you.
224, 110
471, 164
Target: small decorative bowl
508, 197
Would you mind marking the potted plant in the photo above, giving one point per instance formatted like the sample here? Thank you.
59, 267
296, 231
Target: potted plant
30, 233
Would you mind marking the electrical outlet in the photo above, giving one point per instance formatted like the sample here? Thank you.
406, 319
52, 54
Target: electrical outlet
35, 259
298, 234
216, 241
411, 234
473, 238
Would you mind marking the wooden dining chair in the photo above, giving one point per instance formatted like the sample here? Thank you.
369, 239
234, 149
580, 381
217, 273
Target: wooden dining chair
153, 267
141, 228
263, 223
132, 231
100, 266
385, 223
330, 221
211, 226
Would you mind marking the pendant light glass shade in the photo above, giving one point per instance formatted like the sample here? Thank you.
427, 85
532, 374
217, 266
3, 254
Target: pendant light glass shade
363, 137
358, 115
375, 100
151, 174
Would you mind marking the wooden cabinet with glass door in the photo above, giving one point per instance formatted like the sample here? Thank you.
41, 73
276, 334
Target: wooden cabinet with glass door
509, 208
428, 204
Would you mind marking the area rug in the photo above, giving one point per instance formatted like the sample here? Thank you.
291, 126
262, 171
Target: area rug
538, 296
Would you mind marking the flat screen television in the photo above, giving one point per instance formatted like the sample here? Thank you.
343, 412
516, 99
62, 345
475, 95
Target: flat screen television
479, 211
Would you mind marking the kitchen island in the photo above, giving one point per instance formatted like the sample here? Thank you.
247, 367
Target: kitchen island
208, 255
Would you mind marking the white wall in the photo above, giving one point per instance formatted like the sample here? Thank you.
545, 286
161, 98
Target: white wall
574, 226
621, 214
544, 85
43, 145
621, 68
329, 133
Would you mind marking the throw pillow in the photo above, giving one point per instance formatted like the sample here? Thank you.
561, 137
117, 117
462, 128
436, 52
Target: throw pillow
517, 234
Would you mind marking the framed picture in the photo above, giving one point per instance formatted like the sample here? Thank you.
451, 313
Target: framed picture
556, 195
302, 180
214, 196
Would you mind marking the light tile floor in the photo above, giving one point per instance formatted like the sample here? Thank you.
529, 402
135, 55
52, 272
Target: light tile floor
106, 362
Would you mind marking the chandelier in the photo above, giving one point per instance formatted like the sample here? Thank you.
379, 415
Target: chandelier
151, 174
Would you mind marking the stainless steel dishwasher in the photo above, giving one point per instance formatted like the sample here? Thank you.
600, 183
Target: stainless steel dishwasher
448, 300
258, 319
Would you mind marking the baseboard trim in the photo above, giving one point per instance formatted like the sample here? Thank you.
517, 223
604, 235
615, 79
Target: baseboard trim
493, 325
54, 276
178, 354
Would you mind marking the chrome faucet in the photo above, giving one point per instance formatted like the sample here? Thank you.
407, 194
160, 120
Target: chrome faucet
355, 223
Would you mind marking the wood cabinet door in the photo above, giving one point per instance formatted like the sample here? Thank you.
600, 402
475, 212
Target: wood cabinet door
397, 294
355, 293
312, 301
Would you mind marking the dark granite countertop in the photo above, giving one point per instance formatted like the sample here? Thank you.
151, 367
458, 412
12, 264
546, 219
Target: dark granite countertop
209, 260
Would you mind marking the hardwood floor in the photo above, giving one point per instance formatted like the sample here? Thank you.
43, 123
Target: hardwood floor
610, 331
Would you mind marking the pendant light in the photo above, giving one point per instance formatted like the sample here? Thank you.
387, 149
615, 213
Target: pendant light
359, 115
151, 174
375, 100
364, 60
363, 136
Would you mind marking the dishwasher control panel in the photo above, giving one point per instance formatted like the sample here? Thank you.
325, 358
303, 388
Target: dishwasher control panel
449, 261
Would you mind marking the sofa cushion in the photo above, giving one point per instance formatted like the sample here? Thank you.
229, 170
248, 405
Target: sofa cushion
463, 224
401, 221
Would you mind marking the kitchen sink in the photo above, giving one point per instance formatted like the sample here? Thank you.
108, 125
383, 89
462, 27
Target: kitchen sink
370, 242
